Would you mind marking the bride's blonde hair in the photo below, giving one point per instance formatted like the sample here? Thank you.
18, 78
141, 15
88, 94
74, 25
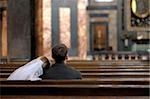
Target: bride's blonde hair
45, 61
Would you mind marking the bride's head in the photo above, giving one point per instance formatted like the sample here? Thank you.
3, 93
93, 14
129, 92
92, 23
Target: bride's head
45, 61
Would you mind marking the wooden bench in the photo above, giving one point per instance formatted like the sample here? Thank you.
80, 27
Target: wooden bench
89, 63
81, 65
116, 75
75, 87
98, 71
94, 69
111, 63
102, 75
98, 80
89, 67
86, 70
121, 79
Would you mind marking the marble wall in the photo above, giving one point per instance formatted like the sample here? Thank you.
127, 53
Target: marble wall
47, 28
82, 30
83, 21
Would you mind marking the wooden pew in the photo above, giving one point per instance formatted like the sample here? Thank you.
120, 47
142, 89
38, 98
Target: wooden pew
89, 68
104, 75
92, 70
75, 87
130, 80
116, 75
82, 65
70, 97
100, 79
100, 71
91, 62
86, 66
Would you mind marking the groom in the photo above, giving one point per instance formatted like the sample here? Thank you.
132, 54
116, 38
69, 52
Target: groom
59, 70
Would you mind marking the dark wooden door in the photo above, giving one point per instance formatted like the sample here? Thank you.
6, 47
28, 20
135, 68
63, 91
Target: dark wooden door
100, 37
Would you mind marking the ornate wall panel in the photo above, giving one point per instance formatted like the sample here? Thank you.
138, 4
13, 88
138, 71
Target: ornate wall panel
138, 15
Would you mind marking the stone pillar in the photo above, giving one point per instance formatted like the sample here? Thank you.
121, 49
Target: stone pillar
103, 57
136, 57
4, 33
39, 27
123, 57
130, 57
109, 57
116, 57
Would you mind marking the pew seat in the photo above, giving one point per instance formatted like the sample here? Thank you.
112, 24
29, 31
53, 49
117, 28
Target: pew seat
75, 87
99, 70
91, 66
102, 75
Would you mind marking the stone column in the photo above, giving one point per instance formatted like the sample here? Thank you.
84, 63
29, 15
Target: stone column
4, 33
39, 27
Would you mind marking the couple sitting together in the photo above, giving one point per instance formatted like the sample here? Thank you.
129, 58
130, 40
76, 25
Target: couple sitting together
40, 68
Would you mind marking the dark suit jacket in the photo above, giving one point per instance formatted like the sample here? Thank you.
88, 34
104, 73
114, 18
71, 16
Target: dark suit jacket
60, 71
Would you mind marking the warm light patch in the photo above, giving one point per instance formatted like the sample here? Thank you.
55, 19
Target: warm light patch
133, 6
4, 33
64, 25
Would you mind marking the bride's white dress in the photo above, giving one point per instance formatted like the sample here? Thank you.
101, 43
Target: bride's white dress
30, 71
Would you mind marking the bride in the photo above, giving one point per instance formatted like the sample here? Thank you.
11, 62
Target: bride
30, 71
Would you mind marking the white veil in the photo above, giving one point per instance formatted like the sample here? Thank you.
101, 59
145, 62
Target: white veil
30, 71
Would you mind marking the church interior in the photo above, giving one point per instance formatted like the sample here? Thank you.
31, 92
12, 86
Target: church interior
108, 42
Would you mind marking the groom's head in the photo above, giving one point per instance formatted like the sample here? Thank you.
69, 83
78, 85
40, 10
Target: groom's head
59, 52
